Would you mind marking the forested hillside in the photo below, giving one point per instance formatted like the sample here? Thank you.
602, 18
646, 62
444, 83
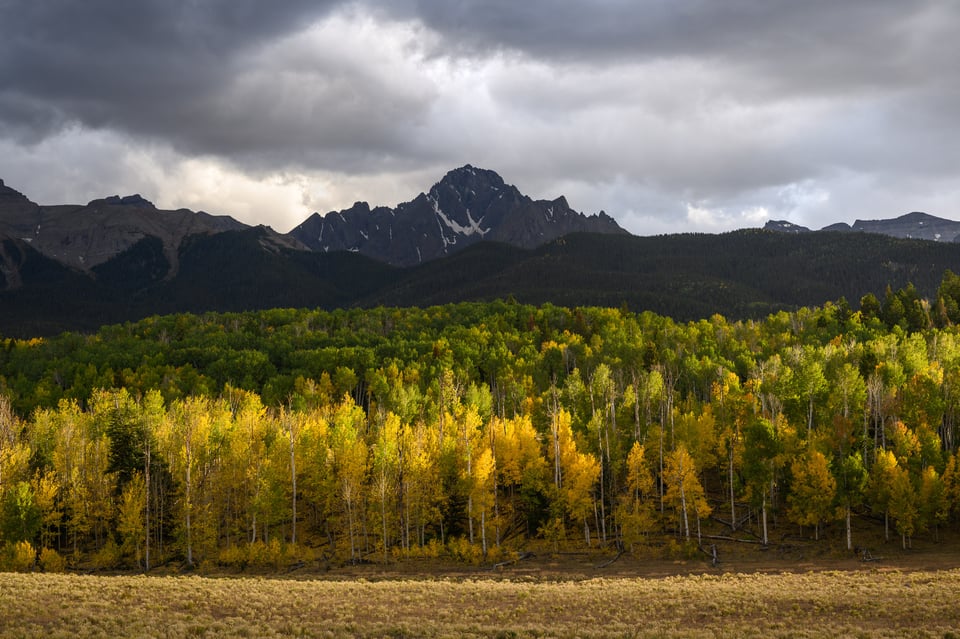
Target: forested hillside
740, 275
474, 430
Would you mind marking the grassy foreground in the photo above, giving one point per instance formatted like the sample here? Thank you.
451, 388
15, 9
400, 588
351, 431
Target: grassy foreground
881, 603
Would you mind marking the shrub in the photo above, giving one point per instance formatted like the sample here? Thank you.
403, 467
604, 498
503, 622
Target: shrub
233, 557
19, 556
109, 556
461, 549
52, 561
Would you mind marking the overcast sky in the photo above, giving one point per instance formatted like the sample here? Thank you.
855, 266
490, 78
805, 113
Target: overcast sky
671, 115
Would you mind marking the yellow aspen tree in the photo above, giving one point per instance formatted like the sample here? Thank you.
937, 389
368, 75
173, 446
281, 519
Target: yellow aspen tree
186, 436
469, 442
951, 486
386, 473
576, 472
130, 518
70, 445
879, 485
420, 482
316, 483
348, 459
244, 459
14, 454
291, 423
636, 510
521, 467
98, 484
933, 501
813, 490
684, 491
903, 505
46, 490
482, 489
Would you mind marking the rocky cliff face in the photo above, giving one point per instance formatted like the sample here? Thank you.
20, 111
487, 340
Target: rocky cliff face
468, 205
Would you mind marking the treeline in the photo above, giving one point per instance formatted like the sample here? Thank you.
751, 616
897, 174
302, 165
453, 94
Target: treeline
473, 429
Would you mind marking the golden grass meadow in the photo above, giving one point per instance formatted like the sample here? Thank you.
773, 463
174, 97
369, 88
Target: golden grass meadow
859, 603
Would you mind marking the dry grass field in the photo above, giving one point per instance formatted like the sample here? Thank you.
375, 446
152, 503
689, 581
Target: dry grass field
868, 602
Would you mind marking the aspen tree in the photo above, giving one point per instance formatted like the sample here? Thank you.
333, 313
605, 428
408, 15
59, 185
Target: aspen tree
130, 518
813, 490
903, 505
636, 512
684, 490
386, 472
577, 473
880, 484
761, 449
348, 458
933, 501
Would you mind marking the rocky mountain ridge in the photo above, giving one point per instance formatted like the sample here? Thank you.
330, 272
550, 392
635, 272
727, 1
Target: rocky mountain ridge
466, 206
915, 225
85, 236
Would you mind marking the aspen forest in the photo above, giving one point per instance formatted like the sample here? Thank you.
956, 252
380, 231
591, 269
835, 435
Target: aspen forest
475, 431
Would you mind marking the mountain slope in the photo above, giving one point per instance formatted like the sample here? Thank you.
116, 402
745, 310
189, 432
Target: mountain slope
467, 206
739, 275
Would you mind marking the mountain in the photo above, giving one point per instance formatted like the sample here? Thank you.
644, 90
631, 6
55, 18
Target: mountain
916, 225
467, 206
85, 236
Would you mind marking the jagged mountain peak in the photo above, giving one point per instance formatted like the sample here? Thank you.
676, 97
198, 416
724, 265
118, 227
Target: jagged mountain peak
467, 205
468, 178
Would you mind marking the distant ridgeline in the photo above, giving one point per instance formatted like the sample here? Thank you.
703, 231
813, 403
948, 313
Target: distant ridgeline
476, 431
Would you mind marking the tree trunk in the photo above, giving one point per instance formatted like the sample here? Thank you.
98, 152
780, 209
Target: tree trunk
483, 531
733, 510
146, 507
188, 505
383, 520
763, 508
849, 531
470, 515
293, 482
661, 470
683, 508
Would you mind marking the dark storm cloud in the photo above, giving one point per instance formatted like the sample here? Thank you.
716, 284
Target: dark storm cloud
148, 66
854, 36
686, 108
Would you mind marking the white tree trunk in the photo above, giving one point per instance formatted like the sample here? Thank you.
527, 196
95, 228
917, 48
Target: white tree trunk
763, 509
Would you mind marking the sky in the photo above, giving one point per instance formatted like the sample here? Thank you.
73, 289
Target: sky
670, 115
